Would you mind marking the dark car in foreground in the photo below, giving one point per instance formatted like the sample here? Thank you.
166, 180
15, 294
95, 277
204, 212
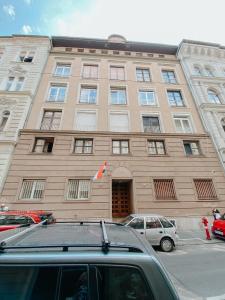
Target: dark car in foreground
83, 260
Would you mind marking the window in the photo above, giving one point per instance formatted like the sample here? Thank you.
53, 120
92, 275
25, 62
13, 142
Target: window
83, 146
223, 123
118, 95
62, 70
156, 147
88, 94
117, 73
147, 97
164, 189
182, 124
90, 71
32, 189
86, 121
119, 122
78, 189
120, 147
169, 76
143, 74
197, 71
151, 124
137, 223
57, 93
4, 119
175, 98
26, 56
213, 97
209, 72
51, 120
152, 223
191, 148
43, 145
19, 84
205, 189
166, 223
9, 83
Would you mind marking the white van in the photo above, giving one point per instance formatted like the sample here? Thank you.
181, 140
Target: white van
158, 230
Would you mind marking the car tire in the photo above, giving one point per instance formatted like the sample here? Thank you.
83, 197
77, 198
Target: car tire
167, 244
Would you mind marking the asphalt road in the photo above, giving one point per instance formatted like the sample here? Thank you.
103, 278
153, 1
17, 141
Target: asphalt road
198, 270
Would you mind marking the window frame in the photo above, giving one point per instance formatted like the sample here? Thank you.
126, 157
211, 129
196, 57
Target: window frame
143, 75
183, 117
35, 180
44, 145
27, 55
84, 111
121, 112
3, 126
79, 198
172, 181
167, 79
117, 67
120, 141
214, 197
215, 95
146, 90
90, 71
52, 118
63, 66
156, 115
198, 147
118, 88
88, 87
155, 147
58, 86
83, 146
173, 92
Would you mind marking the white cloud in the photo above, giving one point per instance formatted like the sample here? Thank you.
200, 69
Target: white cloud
145, 20
9, 10
26, 29
28, 1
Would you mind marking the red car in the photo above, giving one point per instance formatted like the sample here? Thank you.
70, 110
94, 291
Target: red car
218, 227
14, 218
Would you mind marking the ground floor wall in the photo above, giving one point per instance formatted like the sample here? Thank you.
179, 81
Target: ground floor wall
138, 168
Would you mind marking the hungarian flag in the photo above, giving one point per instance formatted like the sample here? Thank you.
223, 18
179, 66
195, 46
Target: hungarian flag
100, 172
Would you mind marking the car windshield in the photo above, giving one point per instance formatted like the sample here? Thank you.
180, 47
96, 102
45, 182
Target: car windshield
127, 220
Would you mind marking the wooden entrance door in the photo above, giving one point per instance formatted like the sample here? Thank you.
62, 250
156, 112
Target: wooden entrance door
121, 206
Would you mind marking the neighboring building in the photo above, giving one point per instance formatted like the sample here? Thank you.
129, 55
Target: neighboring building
204, 67
22, 59
126, 103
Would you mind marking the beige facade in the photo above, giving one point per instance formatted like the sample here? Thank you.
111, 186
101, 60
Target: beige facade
121, 102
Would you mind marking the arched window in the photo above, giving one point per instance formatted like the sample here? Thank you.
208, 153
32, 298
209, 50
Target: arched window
223, 123
209, 72
213, 97
197, 70
4, 119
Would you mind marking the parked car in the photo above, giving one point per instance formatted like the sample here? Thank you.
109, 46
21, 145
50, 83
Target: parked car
218, 227
85, 260
14, 218
158, 230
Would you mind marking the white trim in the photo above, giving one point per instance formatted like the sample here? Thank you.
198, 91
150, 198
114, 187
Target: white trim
187, 116
150, 90
122, 86
56, 62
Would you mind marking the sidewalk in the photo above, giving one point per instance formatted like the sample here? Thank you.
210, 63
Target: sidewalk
195, 237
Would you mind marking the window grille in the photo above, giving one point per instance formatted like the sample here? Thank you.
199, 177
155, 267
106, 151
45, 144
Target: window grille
32, 189
78, 189
205, 189
164, 189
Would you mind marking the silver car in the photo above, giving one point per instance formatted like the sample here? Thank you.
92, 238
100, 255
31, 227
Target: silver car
158, 230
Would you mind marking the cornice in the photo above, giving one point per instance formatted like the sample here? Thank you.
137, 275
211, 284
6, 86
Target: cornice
207, 79
9, 94
110, 134
213, 107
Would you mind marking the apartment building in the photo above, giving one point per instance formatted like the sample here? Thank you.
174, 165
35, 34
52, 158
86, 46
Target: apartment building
204, 67
126, 103
22, 59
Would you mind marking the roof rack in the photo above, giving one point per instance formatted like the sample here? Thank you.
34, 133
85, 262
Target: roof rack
105, 244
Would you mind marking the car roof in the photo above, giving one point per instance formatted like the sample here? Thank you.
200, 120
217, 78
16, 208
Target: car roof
146, 215
69, 236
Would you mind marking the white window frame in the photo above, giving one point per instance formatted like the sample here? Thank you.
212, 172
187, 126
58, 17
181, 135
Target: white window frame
172, 71
79, 189
34, 184
117, 67
14, 84
184, 117
88, 86
90, 65
124, 88
147, 90
143, 68
64, 66
58, 86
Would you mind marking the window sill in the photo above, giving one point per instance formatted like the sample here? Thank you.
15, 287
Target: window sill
55, 102
195, 156
158, 155
174, 200
25, 201
75, 201
129, 154
82, 154
86, 103
41, 153
60, 76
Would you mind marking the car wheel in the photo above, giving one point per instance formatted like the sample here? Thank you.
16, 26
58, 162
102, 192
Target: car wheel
166, 245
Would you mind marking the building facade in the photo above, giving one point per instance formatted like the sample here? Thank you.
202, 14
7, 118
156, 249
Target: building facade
22, 60
204, 67
125, 103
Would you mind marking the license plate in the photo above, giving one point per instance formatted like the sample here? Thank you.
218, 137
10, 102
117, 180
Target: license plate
218, 232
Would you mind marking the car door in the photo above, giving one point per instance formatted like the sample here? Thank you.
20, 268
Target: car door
138, 224
169, 228
154, 230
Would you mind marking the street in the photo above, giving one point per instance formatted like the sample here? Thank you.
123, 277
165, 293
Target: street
197, 269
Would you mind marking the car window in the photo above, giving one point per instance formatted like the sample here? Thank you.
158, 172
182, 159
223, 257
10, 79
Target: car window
122, 283
137, 223
152, 222
166, 223
30, 283
74, 284
16, 220
2, 220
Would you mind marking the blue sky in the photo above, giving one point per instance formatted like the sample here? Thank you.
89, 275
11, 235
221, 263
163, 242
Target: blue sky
159, 21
